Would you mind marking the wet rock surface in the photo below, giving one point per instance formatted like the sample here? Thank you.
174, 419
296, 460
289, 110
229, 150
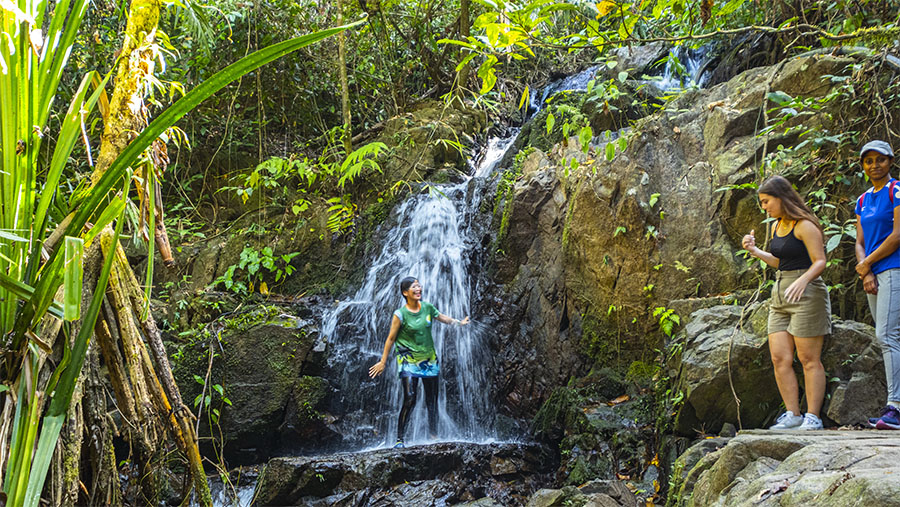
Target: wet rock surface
438, 474
831, 468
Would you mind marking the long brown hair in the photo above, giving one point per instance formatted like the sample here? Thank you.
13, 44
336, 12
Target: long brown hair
792, 204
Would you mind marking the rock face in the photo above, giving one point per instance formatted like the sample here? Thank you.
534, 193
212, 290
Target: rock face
266, 362
593, 247
830, 468
438, 474
851, 356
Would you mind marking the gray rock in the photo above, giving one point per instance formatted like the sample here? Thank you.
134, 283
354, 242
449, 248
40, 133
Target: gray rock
260, 358
587, 259
637, 60
831, 468
436, 474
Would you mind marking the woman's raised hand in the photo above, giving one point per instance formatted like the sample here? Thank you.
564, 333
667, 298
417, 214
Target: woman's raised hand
749, 241
464, 321
376, 369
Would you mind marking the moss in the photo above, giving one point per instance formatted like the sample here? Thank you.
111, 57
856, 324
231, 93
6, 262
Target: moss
599, 337
265, 314
309, 392
640, 372
561, 415
568, 222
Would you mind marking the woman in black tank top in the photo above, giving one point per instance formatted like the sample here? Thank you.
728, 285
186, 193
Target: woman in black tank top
799, 311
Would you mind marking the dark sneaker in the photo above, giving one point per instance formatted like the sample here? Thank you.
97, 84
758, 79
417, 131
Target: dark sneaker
889, 419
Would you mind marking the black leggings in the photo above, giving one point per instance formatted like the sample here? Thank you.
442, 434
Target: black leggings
410, 386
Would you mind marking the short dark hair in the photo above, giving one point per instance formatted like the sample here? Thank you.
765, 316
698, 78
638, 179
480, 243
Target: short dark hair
406, 283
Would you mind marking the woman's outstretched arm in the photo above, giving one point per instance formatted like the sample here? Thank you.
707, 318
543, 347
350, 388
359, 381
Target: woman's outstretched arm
450, 320
378, 367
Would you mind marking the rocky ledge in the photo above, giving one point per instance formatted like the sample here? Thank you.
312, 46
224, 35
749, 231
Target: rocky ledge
761, 468
439, 474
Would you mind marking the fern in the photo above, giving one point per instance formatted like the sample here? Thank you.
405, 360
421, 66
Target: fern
363, 157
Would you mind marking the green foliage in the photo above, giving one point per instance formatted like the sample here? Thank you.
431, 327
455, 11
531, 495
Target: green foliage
205, 401
255, 264
509, 32
362, 158
29, 81
310, 180
668, 319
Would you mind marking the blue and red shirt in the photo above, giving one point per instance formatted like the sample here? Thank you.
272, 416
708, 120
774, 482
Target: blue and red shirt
876, 215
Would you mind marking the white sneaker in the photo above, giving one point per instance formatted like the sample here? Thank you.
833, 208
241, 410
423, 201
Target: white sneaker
811, 422
789, 421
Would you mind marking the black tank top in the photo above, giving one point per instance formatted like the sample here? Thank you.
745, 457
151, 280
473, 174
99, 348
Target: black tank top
791, 252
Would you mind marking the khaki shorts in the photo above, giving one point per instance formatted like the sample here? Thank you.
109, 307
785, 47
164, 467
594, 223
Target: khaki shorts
807, 318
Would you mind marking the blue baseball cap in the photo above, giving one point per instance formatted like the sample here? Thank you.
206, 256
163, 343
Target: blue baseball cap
879, 146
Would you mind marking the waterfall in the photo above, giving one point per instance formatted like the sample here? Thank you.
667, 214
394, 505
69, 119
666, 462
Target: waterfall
690, 72
429, 243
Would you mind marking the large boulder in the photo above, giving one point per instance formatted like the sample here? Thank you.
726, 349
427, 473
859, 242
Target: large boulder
265, 362
716, 339
828, 468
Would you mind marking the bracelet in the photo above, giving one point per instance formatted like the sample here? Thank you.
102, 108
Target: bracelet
456, 322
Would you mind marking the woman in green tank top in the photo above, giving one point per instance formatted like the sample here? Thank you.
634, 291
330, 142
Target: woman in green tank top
416, 358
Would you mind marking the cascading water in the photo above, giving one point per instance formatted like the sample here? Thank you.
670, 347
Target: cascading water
684, 67
429, 244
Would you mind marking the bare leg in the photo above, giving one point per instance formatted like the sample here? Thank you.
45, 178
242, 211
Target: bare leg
809, 351
781, 347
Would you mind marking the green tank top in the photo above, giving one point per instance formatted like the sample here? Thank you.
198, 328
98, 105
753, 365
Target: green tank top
414, 341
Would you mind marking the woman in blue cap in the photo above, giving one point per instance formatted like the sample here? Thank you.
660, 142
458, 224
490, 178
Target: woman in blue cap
878, 257
416, 357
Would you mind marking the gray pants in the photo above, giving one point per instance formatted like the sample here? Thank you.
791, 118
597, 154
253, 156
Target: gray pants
885, 307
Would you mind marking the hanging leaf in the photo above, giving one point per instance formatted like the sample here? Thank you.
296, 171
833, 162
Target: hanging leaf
584, 136
833, 243
605, 7
74, 274
779, 97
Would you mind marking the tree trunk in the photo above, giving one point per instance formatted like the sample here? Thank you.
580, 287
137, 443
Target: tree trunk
463, 76
132, 374
127, 112
345, 86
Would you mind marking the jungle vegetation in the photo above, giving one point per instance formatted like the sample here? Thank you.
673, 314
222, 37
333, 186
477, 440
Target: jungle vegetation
110, 112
